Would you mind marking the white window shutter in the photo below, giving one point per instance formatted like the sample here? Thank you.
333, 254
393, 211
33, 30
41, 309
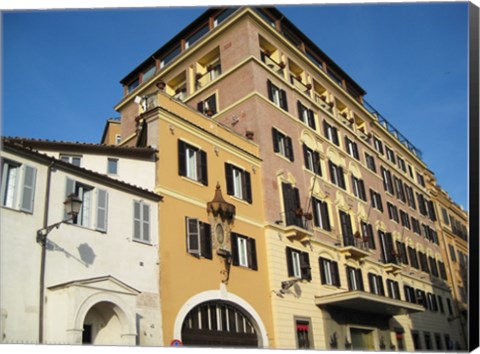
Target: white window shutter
70, 188
102, 210
28, 188
146, 222
137, 220
193, 236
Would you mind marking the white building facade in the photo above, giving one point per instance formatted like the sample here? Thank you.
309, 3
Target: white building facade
100, 274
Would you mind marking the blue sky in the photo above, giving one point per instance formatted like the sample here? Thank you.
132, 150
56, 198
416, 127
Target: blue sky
61, 69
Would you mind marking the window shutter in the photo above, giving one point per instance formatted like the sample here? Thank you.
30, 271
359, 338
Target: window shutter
289, 261
229, 178
212, 103
289, 148
70, 189
137, 222
431, 211
335, 274
371, 282
311, 120
234, 243
202, 167
335, 135
305, 266
361, 185
252, 254
270, 90
332, 171
205, 240
360, 279
325, 217
102, 214
146, 222
350, 272
325, 129
283, 100
28, 189
355, 151
390, 247
247, 187
316, 217
316, 163
182, 162
341, 177
305, 155
193, 239
390, 288
200, 106
322, 270
300, 111
276, 148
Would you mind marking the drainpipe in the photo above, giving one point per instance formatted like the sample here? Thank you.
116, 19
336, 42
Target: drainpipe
43, 258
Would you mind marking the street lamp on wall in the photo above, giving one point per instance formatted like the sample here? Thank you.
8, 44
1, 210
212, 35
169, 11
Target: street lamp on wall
72, 208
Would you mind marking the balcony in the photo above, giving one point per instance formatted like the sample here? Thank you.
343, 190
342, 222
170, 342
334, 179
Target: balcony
298, 226
297, 82
391, 264
354, 247
212, 73
272, 64
322, 101
367, 302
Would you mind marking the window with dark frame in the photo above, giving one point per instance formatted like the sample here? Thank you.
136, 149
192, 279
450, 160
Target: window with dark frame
376, 200
312, 160
358, 188
412, 256
392, 212
354, 279
377, 143
376, 284
330, 132
208, 106
351, 148
277, 96
336, 175
329, 272
367, 234
199, 238
244, 251
370, 161
387, 180
239, 182
390, 154
321, 216
306, 115
282, 144
393, 289
298, 264
192, 162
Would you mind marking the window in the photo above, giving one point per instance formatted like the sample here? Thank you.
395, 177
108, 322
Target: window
199, 238
306, 115
440, 303
118, 139
336, 175
449, 306
377, 143
432, 302
416, 341
346, 227
401, 164
390, 154
433, 266
244, 251
223, 15
141, 221
420, 179
422, 204
112, 166
331, 133
409, 293
208, 106
12, 188
148, 73
277, 96
282, 144
102, 210
442, 269
387, 180
133, 85
431, 210
421, 298
74, 160
170, 56
405, 219
370, 160
410, 171
298, 264
392, 212
376, 284
393, 290
304, 340
85, 194
428, 341
453, 256
291, 205
410, 198
358, 188
352, 148
238, 182
376, 199
423, 262
189, 41
399, 189
445, 217
312, 160
412, 255
192, 162
416, 226
329, 272
438, 341
321, 217
402, 252
367, 234
354, 278
387, 249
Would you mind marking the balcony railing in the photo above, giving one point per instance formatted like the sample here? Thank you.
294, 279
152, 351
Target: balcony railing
354, 247
272, 64
299, 84
322, 102
392, 130
212, 73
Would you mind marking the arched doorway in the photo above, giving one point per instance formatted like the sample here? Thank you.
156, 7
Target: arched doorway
219, 323
102, 325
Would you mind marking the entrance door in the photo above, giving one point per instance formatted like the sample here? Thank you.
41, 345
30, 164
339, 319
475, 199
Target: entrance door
218, 324
362, 339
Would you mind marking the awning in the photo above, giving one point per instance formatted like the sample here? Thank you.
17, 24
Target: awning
368, 302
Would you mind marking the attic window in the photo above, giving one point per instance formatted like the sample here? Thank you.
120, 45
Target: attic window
196, 35
170, 56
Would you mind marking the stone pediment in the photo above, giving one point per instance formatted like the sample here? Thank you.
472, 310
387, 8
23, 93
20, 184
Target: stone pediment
106, 283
